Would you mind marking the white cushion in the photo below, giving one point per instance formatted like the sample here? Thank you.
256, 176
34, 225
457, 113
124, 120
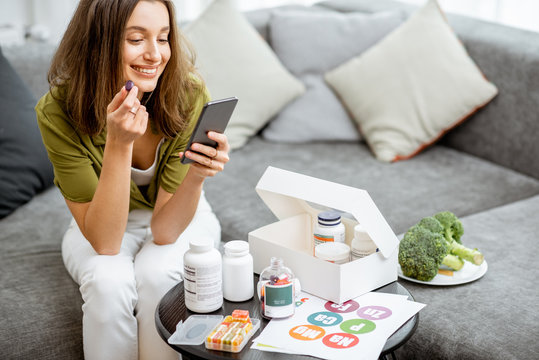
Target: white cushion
234, 60
412, 87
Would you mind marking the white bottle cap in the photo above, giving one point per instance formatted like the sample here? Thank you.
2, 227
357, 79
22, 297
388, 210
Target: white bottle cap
201, 244
362, 244
329, 218
236, 248
360, 233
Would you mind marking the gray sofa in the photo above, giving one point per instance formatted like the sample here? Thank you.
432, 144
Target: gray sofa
486, 171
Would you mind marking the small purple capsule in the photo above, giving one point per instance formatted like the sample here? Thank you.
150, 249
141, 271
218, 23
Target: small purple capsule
129, 85
273, 279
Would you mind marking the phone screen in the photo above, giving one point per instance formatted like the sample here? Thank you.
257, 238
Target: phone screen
214, 117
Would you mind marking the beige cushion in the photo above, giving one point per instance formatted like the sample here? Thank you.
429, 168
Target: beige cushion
413, 86
235, 61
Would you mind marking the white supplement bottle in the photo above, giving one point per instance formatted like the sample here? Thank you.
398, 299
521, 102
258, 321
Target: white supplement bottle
237, 271
202, 276
335, 252
362, 244
329, 228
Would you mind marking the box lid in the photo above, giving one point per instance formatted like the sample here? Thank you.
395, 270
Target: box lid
286, 194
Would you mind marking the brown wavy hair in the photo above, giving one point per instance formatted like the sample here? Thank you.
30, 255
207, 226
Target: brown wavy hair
88, 65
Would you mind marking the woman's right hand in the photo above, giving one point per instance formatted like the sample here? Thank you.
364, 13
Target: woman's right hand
127, 119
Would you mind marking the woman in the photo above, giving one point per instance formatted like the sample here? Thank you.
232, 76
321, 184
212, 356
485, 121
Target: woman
116, 157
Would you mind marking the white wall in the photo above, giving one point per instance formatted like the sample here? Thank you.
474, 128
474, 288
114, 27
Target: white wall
47, 19
53, 15
12, 11
13, 17
522, 14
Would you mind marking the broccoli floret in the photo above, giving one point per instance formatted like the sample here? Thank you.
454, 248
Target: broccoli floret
421, 253
431, 224
453, 228
453, 231
435, 226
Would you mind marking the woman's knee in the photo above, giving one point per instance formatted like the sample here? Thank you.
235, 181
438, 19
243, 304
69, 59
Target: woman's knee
109, 290
158, 268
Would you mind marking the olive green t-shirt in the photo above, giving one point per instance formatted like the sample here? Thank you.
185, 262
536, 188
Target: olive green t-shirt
77, 158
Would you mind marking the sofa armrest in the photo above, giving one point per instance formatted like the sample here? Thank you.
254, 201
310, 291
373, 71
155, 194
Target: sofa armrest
505, 131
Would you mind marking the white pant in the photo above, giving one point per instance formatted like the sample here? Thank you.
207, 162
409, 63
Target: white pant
121, 292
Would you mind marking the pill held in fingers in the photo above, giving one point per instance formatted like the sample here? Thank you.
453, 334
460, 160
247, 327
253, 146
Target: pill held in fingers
129, 85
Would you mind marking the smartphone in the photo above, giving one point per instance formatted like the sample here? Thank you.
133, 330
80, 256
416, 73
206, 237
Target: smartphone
214, 117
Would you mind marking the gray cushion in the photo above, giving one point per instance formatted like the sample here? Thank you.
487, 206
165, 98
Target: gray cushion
25, 169
317, 115
495, 317
440, 179
260, 18
309, 44
367, 6
32, 64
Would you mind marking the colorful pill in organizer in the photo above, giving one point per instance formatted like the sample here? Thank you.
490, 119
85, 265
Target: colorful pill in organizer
232, 333
241, 315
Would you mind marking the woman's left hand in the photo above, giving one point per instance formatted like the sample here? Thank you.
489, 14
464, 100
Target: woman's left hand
209, 161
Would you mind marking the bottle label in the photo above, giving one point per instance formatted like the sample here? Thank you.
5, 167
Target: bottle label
278, 300
203, 285
358, 254
321, 239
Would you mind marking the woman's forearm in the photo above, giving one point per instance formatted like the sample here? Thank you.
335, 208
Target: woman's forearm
173, 213
106, 218
172, 218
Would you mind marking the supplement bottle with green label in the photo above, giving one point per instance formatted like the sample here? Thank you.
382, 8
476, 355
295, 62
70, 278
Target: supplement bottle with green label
276, 287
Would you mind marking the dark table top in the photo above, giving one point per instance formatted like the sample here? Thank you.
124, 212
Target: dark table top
171, 309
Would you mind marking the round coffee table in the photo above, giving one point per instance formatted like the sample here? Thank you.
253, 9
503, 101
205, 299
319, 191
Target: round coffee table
171, 309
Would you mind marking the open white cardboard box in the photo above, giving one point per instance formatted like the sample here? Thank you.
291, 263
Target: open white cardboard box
291, 197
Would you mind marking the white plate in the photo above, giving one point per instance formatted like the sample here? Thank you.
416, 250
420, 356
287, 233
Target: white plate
468, 273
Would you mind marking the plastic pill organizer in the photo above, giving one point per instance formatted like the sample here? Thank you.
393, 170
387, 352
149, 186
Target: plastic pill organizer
230, 334
233, 332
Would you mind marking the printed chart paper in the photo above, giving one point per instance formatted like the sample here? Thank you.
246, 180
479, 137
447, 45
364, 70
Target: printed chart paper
357, 329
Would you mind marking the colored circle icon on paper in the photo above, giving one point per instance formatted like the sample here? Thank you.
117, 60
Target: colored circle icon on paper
340, 340
307, 332
346, 307
373, 312
325, 318
358, 326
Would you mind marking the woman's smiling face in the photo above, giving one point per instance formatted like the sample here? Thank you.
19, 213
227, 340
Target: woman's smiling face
146, 48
